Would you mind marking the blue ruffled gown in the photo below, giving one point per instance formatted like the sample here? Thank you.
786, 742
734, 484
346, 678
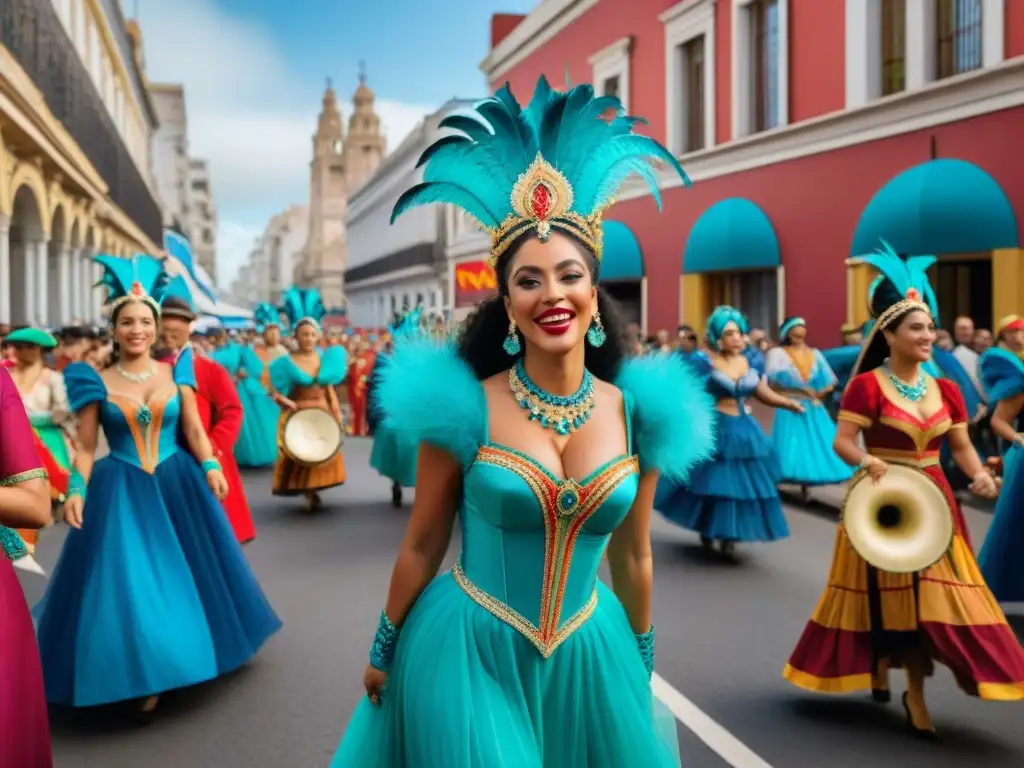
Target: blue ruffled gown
1000, 560
393, 455
153, 593
257, 440
731, 496
519, 656
803, 441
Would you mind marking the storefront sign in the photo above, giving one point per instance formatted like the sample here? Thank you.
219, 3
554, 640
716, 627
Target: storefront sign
474, 282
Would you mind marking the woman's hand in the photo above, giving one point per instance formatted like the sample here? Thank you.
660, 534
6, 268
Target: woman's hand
795, 407
374, 680
875, 467
73, 508
985, 485
288, 405
218, 483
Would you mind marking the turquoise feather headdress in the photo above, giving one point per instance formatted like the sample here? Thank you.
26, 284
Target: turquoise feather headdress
908, 276
265, 314
409, 325
140, 278
303, 305
558, 164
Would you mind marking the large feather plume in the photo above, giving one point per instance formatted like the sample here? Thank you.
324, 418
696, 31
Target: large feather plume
120, 276
476, 168
300, 303
905, 274
264, 314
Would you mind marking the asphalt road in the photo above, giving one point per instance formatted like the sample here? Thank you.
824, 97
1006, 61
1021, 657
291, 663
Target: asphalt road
724, 632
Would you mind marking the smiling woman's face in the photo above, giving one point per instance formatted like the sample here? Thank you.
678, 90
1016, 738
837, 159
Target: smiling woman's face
135, 330
551, 296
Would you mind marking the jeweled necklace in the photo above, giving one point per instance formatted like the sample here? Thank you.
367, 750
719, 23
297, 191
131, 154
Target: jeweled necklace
136, 378
562, 414
913, 392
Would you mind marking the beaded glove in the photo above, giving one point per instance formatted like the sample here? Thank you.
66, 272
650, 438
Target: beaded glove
645, 644
382, 652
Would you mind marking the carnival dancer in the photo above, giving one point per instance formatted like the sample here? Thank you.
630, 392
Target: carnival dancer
1002, 373
257, 442
152, 591
359, 368
24, 504
803, 439
731, 497
869, 621
53, 427
394, 455
219, 408
304, 379
538, 662
269, 347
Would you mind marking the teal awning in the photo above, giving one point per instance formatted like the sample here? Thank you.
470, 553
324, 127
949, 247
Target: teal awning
731, 234
621, 258
941, 206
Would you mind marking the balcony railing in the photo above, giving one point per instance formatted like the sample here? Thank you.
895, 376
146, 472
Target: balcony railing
33, 33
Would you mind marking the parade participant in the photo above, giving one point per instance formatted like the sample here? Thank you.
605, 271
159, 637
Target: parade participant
803, 439
869, 621
150, 567
303, 379
75, 342
538, 662
220, 410
53, 427
1002, 373
257, 442
268, 325
359, 369
24, 504
731, 497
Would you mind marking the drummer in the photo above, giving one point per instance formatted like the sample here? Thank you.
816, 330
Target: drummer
306, 379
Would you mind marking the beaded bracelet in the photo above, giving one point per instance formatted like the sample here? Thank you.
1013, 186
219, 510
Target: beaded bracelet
645, 644
76, 485
13, 545
382, 652
211, 464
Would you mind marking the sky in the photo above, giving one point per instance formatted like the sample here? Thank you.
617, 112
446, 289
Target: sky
254, 73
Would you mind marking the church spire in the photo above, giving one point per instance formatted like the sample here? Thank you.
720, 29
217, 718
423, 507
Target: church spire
366, 145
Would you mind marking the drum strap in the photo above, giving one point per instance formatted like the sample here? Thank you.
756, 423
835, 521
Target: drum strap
884, 644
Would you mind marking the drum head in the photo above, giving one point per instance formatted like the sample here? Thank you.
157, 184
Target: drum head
312, 436
904, 541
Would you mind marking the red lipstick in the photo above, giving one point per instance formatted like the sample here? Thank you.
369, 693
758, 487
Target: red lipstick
555, 321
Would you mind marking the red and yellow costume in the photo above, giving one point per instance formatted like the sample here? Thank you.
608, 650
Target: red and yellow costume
946, 610
358, 384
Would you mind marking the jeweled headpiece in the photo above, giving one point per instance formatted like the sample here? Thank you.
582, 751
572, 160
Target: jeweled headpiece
141, 278
265, 314
557, 164
303, 305
908, 276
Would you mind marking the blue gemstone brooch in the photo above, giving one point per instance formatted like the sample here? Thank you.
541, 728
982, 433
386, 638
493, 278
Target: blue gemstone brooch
562, 414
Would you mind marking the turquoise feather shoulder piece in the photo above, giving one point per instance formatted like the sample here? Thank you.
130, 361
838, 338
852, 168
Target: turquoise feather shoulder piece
673, 417
333, 366
1002, 374
281, 374
428, 393
84, 386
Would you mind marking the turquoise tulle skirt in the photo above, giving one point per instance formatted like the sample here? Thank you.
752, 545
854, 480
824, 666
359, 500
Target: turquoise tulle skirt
1001, 560
257, 441
394, 456
468, 691
732, 496
803, 445
152, 594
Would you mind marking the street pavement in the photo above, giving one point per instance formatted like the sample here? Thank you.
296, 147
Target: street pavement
724, 632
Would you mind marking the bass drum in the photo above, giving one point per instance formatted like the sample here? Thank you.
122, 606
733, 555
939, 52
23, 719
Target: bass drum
311, 436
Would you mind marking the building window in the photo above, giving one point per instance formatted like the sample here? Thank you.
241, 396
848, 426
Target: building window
958, 32
690, 75
894, 46
764, 17
610, 70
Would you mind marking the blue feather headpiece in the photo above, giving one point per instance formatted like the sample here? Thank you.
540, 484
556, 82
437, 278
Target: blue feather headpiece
408, 326
303, 305
140, 278
555, 165
266, 314
908, 276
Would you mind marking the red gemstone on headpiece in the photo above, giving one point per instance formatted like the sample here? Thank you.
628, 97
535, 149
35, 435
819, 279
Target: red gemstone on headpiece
541, 201
137, 289
913, 295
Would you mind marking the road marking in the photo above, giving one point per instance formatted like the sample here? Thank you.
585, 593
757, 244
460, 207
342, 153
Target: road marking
720, 741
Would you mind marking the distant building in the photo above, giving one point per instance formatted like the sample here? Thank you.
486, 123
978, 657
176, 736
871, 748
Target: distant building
170, 156
202, 216
272, 261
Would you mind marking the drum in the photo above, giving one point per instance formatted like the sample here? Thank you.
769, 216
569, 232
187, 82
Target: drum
311, 436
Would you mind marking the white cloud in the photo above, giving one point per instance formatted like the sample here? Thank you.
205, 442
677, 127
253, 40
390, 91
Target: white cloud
250, 115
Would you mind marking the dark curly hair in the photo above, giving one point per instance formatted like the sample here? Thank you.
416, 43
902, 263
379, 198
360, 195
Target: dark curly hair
115, 348
480, 342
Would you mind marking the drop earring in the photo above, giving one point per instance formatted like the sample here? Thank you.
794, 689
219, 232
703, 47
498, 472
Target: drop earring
595, 333
511, 344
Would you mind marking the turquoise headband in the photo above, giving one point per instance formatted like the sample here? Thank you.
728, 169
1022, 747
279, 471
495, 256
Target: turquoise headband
789, 325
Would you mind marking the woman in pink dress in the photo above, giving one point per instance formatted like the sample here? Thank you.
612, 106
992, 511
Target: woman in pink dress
24, 503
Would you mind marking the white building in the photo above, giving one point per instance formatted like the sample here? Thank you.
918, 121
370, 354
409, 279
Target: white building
202, 216
404, 265
170, 158
274, 256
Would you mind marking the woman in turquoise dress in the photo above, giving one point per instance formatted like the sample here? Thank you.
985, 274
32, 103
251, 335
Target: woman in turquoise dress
545, 444
1002, 373
151, 591
731, 496
803, 440
257, 441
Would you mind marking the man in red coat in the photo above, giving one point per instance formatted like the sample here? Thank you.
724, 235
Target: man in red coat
219, 408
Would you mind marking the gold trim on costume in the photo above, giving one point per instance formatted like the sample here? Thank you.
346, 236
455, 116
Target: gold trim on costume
855, 418
24, 477
909, 458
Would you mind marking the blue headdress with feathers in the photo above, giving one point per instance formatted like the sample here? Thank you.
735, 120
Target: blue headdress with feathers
557, 164
140, 278
266, 314
303, 306
908, 276
408, 326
